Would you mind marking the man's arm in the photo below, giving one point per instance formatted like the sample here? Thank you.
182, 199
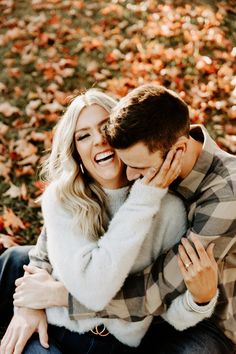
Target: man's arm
151, 291
38, 255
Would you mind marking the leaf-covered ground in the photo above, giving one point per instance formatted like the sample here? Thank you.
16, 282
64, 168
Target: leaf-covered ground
50, 49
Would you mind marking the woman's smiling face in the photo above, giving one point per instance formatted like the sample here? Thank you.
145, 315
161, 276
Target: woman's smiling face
99, 159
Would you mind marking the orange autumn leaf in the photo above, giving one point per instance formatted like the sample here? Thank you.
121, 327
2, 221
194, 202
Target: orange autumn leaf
8, 110
7, 241
11, 221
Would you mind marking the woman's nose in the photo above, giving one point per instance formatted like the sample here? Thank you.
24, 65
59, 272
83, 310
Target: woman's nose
100, 138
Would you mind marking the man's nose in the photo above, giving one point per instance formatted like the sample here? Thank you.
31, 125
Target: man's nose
132, 173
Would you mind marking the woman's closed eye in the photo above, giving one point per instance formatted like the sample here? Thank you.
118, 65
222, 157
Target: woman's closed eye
82, 137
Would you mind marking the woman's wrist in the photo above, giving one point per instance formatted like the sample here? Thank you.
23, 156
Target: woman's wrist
58, 295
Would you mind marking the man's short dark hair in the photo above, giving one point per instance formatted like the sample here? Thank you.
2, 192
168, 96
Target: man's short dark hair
151, 114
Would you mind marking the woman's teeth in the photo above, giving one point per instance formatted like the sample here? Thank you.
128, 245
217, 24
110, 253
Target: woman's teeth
104, 156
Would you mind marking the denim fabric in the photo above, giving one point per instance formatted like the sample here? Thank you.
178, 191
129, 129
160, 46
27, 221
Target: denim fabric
204, 338
34, 347
162, 338
11, 268
63, 341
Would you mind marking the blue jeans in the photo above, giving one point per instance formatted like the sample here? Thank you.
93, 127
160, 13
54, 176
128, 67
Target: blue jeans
63, 341
162, 338
204, 338
11, 268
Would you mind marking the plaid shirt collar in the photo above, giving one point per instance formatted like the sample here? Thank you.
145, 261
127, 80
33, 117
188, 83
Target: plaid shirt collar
188, 186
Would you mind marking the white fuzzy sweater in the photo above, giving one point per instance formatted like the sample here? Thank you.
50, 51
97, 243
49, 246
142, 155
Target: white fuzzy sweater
149, 222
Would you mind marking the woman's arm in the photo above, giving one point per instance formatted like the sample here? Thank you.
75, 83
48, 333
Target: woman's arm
99, 268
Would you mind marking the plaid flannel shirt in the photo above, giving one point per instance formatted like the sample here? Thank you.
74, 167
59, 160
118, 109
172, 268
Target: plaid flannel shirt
209, 192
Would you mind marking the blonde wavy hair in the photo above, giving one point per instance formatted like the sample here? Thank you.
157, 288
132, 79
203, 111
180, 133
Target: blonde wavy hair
77, 191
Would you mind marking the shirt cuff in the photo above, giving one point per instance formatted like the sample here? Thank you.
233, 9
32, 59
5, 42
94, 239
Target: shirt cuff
201, 308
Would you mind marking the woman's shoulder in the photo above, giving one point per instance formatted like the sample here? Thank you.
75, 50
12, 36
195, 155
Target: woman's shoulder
50, 191
50, 196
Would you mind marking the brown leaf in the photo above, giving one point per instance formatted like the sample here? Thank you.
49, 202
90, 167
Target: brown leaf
25, 149
7, 241
32, 159
11, 221
13, 192
8, 110
3, 128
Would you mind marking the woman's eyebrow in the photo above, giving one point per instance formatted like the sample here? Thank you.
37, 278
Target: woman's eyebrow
81, 129
104, 120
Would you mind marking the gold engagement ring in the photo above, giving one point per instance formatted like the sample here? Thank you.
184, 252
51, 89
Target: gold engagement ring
187, 265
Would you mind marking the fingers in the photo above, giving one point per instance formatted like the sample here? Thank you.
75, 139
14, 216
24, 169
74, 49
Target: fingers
188, 252
12, 342
210, 253
17, 300
31, 269
162, 179
181, 266
171, 167
149, 175
199, 269
19, 281
188, 256
164, 175
201, 252
21, 342
43, 334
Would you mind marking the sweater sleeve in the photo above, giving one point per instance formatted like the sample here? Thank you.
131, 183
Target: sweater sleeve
184, 312
38, 254
92, 271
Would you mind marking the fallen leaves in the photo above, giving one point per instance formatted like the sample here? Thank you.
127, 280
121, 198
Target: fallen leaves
12, 223
8, 110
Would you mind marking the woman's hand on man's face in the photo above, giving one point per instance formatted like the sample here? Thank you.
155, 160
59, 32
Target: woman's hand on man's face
163, 176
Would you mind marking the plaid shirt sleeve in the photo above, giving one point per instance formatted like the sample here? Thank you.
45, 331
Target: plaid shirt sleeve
38, 255
152, 290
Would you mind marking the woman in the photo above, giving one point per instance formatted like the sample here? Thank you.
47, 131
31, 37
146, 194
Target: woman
89, 256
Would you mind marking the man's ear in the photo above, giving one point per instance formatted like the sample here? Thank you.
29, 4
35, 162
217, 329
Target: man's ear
181, 144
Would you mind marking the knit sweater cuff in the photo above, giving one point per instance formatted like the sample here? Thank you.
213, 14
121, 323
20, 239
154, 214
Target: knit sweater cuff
145, 194
201, 308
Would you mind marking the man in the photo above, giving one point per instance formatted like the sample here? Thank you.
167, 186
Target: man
146, 124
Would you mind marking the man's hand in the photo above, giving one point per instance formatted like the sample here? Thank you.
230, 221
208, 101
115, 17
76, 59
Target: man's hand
170, 169
23, 324
199, 269
38, 290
